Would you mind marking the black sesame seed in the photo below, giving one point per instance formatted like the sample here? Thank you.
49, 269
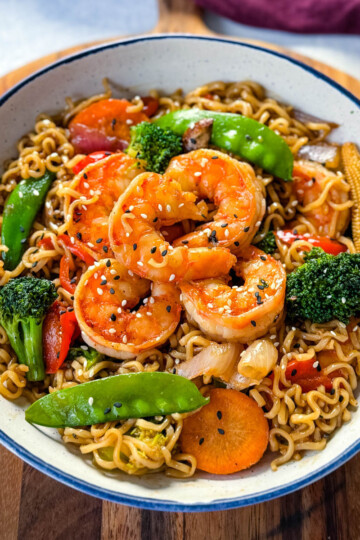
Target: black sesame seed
341, 398
99, 240
77, 220
85, 176
116, 278
174, 370
215, 157
296, 345
261, 287
113, 317
134, 247
107, 410
35, 264
163, 253
117, 404
246, 229
103, 282
262, 257
23, 240
257, 295
79, 235
264, 282
185, 241
62, 312
213, 233
193, 140
253, 323
108, 263
105, 249
127, 211
224, 225
153, 249
73, 280
70, 309
332, 391
294, 372
235, 216
202, 438
71, 298
221, 431
219, 415
168, 309
155, 220
21, 228
111, 291
237, 243
58, 354
318, 367
113, 122
248, 137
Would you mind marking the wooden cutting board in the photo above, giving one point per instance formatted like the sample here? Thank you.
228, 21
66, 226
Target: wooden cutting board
35, 507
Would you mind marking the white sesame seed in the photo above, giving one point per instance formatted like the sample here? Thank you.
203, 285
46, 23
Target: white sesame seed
273, 336
99, 291
36, 193
130, 273
123, 303
86, 282
210, 305
119, 310
124, 339
144, 216
221, 309
86, 185
90, 244
168, 208
177, 361
112, 330
276, 344
149, 313
355, 329
257, 224
92, 192
226, 232
181, 205
129, 122
79, 372
151, 300
113, 271
172, 277
21, 196
72, 239
82, 198
343, 300
90, 400
84, 207
127, 234
131, 208
84, 347
138, 315
140, 263
315, 364
197, 173
160, 207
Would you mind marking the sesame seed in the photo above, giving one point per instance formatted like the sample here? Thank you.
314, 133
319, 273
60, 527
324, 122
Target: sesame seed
246, 229
168, 208
99, 291
221, 431
107, 410
148, 313
168, 309
112, 271
117, 404
124, 339
172, 277
134, 247
202, 438
130, 273
151, 300
210, 305
262, 257
253, 323
112, 330
163, 253
21, 194
219, 415
105, 249
294, 372
90, 244
138, 315
144, 216
131, 208
181, 205
227, 232
90, 400
103, 282
86, 185
315, 364
140, 263
160, 207
343, 300
99, 240
123, 303
113, 317
111, 291
153, 249
236, 244
197, 173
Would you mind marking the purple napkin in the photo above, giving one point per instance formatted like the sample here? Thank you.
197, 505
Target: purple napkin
305, 16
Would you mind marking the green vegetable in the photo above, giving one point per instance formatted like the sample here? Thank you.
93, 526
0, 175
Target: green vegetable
324, 288
91, 355
20, 210
153, 146
268, 243
23, 305
238, 134
132, 395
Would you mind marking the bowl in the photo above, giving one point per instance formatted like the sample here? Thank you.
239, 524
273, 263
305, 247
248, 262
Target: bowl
168, 62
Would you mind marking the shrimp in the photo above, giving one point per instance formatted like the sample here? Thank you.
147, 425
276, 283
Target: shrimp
94, 192
107, 309
150, 203
235, 191
238, 313
324, 197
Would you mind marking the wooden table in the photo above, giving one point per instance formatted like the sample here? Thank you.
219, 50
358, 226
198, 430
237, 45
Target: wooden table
35, 507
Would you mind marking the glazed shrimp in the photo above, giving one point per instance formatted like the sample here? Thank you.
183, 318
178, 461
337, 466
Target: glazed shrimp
150, 203
324, 197
235, 191
106, 307
238, 313
93, 193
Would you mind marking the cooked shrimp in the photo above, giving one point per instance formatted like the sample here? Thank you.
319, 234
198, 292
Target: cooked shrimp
106, 308
323, 204
238, 313
94, 192
235, 191
150, 203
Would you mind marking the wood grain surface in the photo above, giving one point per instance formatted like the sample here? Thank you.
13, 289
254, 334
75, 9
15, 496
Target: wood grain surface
35, 507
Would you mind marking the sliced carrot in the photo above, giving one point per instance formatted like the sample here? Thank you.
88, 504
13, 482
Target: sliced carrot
228, 435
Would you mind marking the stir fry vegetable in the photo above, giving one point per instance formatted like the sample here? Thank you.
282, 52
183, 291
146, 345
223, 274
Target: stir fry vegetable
23, 305
351, 158
238, 134
324, 288
20, 210
59, 330
308, 374
324, 242
228, 435
132, 395
87, 160
92, 356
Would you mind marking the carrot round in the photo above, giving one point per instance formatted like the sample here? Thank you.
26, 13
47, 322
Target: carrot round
228, 435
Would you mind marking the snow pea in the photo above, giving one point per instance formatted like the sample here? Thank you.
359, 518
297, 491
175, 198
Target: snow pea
132, 395
239, 134
20, 210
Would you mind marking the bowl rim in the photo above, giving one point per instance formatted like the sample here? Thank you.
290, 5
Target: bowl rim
149, 503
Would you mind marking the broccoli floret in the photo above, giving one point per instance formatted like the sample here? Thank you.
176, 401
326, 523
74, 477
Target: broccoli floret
324, 288
268, 243
153, 146
92, 356
23, 305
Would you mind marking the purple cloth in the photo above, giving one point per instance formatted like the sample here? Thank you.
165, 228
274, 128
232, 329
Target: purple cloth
305, 16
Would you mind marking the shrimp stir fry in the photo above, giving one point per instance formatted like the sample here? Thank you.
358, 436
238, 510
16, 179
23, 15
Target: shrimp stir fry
94, 192
313, 182
238, 312
149, 203
235, 191
121, 314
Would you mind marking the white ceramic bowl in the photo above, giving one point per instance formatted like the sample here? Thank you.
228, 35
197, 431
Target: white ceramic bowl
168, 62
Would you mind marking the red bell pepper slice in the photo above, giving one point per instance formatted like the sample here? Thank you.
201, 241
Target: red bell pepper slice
91, 158
151, 105
324, 242
60, 329
66, 265
77, 248
307, 376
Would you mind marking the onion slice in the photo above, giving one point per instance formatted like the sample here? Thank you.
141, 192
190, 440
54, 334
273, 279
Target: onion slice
217, 360
321, 152
258, 360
